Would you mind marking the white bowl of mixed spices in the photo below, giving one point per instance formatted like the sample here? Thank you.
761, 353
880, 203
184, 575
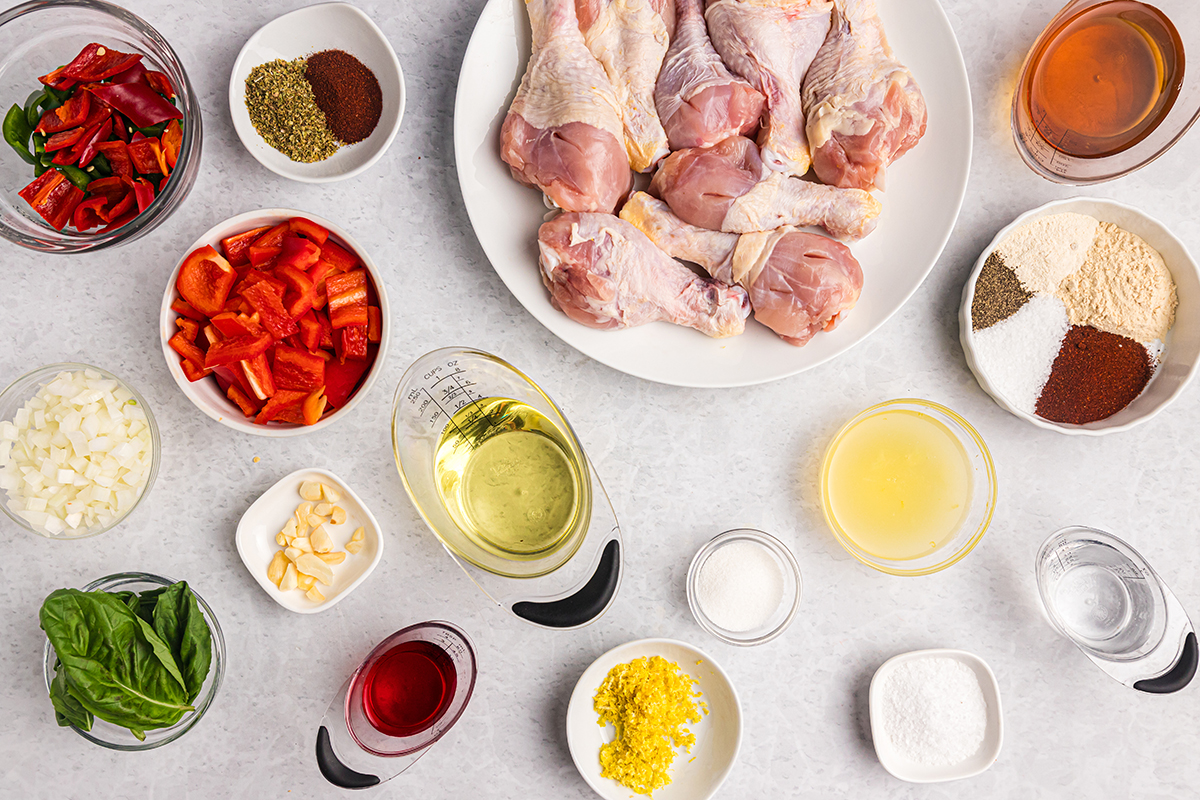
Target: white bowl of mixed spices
1083, 317
338, 89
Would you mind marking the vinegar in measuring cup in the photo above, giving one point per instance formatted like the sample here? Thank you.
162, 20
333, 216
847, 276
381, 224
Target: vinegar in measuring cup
509, 479
409, 688
1103, 79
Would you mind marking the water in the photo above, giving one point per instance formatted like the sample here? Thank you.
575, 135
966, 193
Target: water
1093, 602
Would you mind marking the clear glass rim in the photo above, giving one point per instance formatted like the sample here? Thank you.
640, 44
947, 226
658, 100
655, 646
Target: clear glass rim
958, 552
9, 393
771, 543
217, 670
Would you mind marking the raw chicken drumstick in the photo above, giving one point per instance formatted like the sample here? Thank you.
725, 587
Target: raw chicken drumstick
799, 283
699, 101
604, 273
629, 38
723, 188
563, 133
771, 43
864, 107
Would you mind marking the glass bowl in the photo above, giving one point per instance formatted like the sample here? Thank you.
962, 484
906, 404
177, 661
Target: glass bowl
25, 387
35, 38
115, 737
1053, 163
980, 508
778, 622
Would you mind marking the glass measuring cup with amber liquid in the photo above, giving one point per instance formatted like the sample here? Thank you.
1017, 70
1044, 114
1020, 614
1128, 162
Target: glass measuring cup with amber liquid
1099, 81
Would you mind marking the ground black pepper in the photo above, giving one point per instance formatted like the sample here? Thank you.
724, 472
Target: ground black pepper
1094, 376
998, 294
347, 91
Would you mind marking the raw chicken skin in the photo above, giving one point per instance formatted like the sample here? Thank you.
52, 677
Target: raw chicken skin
604, 273
563, 133
864, 107
630, 38
799, 283
771, 44
699, 101
726, 188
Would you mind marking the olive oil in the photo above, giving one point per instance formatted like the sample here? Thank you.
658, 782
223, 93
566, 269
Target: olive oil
898, 484
1104, 78
511, 480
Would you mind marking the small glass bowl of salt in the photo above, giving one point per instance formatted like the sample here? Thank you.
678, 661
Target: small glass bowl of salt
744, 587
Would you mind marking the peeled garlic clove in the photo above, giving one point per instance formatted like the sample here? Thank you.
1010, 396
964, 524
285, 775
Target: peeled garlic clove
306, 582
359, 535
289, 578
332, 558
338, 515
276, 568
353, 546
310, 490
303, 543
320, 540
292, 553
315, 595
331, 494
289, 529
281, 540
323, 509
309, 564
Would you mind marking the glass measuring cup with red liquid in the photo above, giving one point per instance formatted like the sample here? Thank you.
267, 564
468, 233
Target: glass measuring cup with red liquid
403, 697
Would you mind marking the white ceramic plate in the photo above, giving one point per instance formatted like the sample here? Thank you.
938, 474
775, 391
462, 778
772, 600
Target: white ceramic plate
327, 26
205, 394
1182, 344
269, 513
694, 776
925, 192
914, 772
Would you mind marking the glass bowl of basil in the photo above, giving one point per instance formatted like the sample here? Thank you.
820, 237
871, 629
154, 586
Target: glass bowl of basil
139, 659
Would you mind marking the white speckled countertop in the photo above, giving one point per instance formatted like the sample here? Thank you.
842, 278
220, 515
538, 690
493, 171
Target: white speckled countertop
681, 465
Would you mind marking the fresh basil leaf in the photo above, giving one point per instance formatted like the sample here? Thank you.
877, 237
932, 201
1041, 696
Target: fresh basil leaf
115, 664
146, 603
179, 622
67, 709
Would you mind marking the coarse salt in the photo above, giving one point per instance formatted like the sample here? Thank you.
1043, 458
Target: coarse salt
740, 586
933, 710
1017, 354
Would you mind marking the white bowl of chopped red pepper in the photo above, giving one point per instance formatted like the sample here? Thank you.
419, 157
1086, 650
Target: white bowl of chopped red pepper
317, 94
275, 323
1082, 317
102, 130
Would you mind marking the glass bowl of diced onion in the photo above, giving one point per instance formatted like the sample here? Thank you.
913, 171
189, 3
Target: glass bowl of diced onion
79, 450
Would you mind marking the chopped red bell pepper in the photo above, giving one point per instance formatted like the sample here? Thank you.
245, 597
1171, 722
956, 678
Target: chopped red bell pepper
248, 406
237, 247
122, 207
89, 213
352, 343
54, 197
193, 372
317, 273
273, 237
282, 399
233, 324
121, 221
326, 330
172, 143
190, 328
71, 114
314, 406
143, 192
293, 415
341, 379
226, 352
98, 114
135, 74
58, 79
212, 335
309, 230
146, 155
297, 369
310, 330
96, 62
121, 128
257, 372
255, 276
301, 293
347, 294
181, 306
205, 279
298, 253
272, 315
160, 83
374, 325
143, 105
85, 149
117, 153
64, 139
341, 259
180, 344
260, 256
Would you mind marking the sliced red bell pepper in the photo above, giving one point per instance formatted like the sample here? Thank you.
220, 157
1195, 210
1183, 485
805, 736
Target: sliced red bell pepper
317, 273
297, 369
96, 62
298, 253
282, 399
123, 206
180, 344
310, 330
309, 230
54, 197
146, 155
205, 279
249, 407
351, 343
120, 221
293, 415
160, 83
326, 330
117, 153
212, 335
193, 372
190, 328
347, 294
100, 112
227, 352
121, 128
255, 276
374, 325
143, 193
314, 406
272, 315
135, 74
172, 142
112, 187
273, 237
258, 377
143, 105
71, 114
301, 293
261, 256
90, 213
341, 379
233, 324
341, 258
85, 149
64, 139
58, 79
237, 247
181, 306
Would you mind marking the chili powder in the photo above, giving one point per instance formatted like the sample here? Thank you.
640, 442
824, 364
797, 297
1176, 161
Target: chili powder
1094, 376
347, 91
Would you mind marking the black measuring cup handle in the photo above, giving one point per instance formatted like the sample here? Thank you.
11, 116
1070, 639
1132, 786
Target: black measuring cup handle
1179, 676
586, 604
334, 770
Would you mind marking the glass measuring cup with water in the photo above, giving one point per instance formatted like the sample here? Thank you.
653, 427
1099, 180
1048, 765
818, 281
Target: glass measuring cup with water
1103, 596
500, 477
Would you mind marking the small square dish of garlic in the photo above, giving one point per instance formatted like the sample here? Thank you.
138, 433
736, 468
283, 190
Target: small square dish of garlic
309, 541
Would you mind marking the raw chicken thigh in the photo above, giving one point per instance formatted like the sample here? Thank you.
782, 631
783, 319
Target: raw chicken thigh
604, 273
727, 188
771, 44
630, 38
563, 133
799, 283
699, 101
864, 107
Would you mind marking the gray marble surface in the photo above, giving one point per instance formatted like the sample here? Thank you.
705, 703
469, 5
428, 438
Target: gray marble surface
681, 465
